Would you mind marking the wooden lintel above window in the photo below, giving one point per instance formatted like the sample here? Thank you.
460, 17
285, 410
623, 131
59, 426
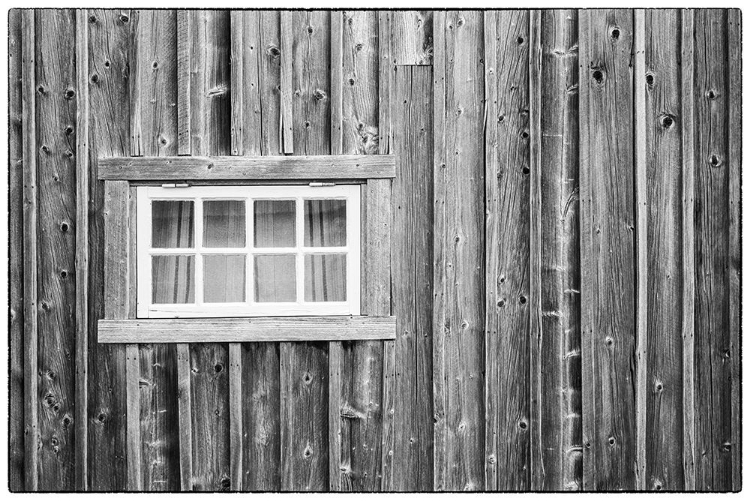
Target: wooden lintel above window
258, 329
268, 168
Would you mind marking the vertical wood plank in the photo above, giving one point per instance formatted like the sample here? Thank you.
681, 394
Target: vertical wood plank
83, 186
116, 250
287, 58
56, 191
235, 416
30, 251
660, 248
507, 389
337, 80
132, 376
153, 129
557, 424
607, 257
687, 41
734, 65
184, 92
184, 420
16, 239
459, 276
411, 265
412, 37
304, 366
109, 50
712, 337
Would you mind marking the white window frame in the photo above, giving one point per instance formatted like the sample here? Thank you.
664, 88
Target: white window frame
146, 195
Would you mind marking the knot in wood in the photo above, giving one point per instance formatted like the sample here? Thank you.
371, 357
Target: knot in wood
319, 94
523, 424
94, 78
715, 161
520, 40
650, 79
40, 89
218, 368
615, 33
308, 452
598, 76
667, 120
70, 94
611, 440
69, 130
124, 18
273, 51
711, 94
92, 19
522, 299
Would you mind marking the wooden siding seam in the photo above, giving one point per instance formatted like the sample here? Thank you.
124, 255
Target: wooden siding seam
641, 232
82, 249
30, 252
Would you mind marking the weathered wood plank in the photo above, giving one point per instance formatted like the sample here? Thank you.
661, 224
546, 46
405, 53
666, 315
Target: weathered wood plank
133, 454
286, 124
607, 254
184, 37
116, 250
247, 168
153, 129
83, 187
559, 423
661, 252
687, 103
184, 419
712, 337
337, 80
412, 37
235, 416
16, 239
459, 265
251, 329
734, 65
56, 86
507, 251
210, 126
30, 252
108, 61
304, 366
411, 265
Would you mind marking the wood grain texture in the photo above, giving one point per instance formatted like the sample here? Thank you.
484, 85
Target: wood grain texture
304, 366
15, 251
713, 372
607, 254
184, 416
687, 103
153, 128
412, 37
235, 416
217, 168
459, 264
108, 61
116, 250
558, 424
661, 265
734, 65
30, 252
133, 454
411, 265
507, 389
286, 123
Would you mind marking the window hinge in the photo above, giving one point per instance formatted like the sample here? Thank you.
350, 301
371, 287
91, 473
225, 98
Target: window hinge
175, 185
318, 185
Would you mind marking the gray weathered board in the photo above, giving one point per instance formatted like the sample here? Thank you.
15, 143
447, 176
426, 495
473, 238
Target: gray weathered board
551, 235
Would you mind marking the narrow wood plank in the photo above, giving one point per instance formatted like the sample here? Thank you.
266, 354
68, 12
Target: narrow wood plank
337, 81
339, 462
411, 265
459, 313
116, 250
153, 129
607, 258
507, 391
713, 371
184, 92
660, 247
30, 252
687, 46
56, 106
210, 134
235, 416
287, 58
304, 366
412, 37
239, 79
109, 50
184, 419
385, 83
15, 251
132, 376
734, 65
641, 245
247, 168
557, 425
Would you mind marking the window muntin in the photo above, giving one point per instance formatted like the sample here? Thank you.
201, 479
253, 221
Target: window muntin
233, 251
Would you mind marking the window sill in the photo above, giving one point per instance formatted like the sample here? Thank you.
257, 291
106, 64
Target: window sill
241, 330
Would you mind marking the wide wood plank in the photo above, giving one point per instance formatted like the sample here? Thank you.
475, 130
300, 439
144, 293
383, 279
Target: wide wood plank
607, 254
109, 50
247, 168
458, 325
412, 37
507, 251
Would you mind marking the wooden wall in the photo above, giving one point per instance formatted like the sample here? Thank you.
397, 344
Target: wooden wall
564, 246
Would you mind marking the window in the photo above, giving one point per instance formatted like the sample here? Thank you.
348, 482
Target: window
244, 251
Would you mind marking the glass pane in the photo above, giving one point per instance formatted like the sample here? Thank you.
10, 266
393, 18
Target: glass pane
325, 277
172, 279
223, 279
274, 222
275, 278
325, 223
224, 223
172, 224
